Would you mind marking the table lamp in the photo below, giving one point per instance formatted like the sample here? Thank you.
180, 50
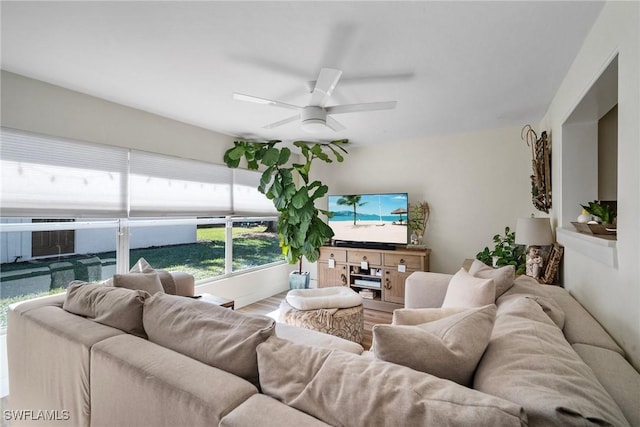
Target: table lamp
534, 233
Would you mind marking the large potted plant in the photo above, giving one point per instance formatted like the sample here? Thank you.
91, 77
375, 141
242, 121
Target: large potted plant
300, 229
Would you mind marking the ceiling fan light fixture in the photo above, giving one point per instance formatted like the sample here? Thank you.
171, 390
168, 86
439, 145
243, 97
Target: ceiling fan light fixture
314, 119
313, 125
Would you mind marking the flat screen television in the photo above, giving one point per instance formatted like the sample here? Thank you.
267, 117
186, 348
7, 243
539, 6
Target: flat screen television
369, 220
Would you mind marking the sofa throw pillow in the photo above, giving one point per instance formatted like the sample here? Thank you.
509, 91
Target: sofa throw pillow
214, 335
467, 291
529, 287
344, 389
417, 316
141, 266
551, 309
503, 277
148, 282
168, 284
448, 348
116, 307
529, 362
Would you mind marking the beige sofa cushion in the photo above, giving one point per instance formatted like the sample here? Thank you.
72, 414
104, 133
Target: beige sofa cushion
617, 376
148, 282
467, 291
503, 277
448, 348
529, 362
343, 389
206, 332
138, 383
49, 361
579, 326
115, 307
265, 411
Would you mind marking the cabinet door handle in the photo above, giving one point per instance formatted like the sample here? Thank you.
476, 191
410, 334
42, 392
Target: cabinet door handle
402, 261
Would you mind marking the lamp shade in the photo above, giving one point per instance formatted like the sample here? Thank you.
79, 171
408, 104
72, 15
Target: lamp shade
534, 232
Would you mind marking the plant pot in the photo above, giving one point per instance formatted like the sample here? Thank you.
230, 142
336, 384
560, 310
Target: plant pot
299, 280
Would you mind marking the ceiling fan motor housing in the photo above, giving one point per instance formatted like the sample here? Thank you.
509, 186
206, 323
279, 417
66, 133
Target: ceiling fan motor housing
314, 118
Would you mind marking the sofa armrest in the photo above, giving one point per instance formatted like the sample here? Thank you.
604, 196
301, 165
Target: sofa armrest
425, 289
185, 283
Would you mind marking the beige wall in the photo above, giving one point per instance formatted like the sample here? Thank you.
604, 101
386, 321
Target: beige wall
36, 106
608, 156
609, 290
476, 184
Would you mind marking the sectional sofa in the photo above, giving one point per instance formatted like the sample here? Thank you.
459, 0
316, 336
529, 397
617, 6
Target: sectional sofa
107, 355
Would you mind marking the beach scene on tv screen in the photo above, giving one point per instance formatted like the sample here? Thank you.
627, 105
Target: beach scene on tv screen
369, 217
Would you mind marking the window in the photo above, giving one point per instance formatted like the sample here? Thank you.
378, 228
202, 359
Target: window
255, 243
77, 211
52, 242
24, 275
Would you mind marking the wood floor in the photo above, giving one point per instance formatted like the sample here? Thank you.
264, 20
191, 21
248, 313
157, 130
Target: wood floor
371, 317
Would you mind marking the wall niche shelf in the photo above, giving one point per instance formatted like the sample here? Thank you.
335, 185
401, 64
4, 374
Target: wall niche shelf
597, 248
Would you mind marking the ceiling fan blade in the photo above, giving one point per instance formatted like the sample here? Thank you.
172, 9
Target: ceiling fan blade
263, 101
334, 125
353, 108
282, 122
326, 83
367, 79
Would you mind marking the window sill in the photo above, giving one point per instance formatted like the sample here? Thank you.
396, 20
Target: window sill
596, 248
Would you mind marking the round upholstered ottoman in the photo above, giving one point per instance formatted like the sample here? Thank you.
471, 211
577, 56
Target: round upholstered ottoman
337, 311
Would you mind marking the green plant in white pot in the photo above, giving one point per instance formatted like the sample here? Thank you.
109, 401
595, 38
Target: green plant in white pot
603, 212
300, 228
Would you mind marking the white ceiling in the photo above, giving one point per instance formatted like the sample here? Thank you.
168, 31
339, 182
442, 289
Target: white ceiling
452, 66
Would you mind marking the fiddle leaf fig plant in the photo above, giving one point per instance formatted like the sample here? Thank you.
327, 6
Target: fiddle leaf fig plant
300, 229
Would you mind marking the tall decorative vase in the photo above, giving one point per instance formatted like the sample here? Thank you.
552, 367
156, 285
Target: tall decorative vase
299, 280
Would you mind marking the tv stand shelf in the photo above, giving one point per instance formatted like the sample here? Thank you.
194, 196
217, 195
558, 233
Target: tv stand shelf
383, 272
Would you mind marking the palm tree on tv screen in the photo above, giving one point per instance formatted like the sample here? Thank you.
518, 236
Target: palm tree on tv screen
351, 201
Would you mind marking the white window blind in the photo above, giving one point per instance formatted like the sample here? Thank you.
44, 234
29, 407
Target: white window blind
45, 176
60, 177
247, 200
163, 185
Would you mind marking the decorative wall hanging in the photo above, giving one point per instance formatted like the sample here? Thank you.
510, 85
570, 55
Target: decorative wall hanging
541, 163
553, 264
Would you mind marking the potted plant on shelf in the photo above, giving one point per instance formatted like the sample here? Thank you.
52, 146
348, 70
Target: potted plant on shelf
602, 212
301, 230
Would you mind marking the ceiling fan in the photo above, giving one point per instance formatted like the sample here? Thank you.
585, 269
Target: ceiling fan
316, 116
